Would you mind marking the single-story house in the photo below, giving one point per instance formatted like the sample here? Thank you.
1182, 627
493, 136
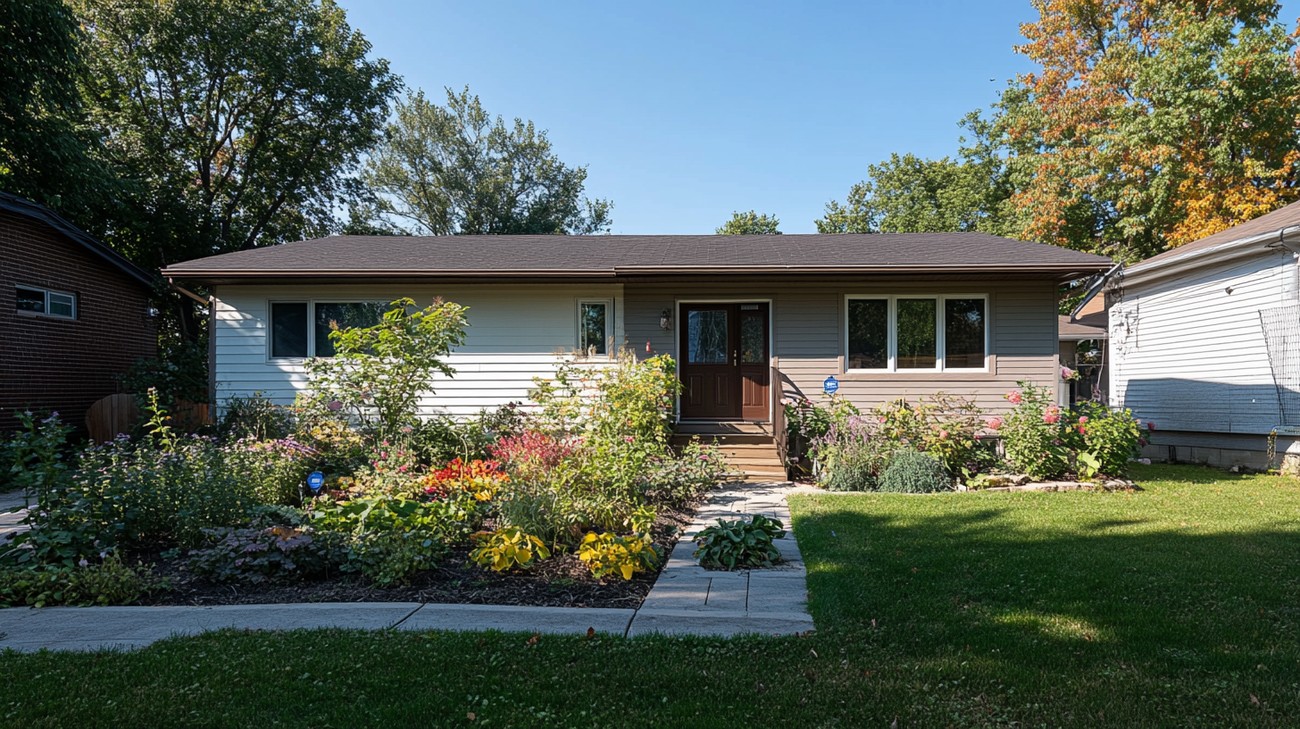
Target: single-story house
1205, 343
886, 315
74, 315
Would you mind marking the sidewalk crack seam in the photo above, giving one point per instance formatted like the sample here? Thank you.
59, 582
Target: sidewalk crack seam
406, 617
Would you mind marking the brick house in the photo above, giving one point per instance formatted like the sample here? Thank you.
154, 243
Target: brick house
74, 315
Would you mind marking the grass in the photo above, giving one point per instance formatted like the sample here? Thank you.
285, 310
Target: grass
1176, 605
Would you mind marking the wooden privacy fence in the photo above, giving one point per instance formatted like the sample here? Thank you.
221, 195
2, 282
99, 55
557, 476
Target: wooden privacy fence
116, 414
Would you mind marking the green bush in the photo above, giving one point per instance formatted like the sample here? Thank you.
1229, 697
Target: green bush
613, 554
806, 423
850, 456
740, 544
254, 417
110, 582
944, 426
1034, 434
388, 539
913, 472
1108, 436
678, 479
265, 553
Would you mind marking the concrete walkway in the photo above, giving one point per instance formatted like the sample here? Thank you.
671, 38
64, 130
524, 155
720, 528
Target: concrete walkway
690, 600
685, 600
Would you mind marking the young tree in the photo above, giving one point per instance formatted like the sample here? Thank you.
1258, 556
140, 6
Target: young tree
454, 169
907, 194
1148, 124
235, 123
750, 223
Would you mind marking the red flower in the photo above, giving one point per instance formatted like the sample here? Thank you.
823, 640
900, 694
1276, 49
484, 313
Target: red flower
1151, 426
995, 424
1013, 397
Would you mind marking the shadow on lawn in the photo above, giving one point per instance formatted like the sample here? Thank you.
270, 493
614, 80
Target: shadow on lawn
1031, 587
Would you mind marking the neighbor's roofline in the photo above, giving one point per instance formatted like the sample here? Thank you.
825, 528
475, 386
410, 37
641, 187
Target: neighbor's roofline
36, 211
1153, 269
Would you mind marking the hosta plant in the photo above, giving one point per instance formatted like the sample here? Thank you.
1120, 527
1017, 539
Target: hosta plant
507, 548
608, 553
740, 544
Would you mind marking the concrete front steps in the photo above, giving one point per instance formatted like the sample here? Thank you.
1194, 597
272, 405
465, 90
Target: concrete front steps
750, 448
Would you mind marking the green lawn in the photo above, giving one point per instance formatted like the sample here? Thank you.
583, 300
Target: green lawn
1177, 605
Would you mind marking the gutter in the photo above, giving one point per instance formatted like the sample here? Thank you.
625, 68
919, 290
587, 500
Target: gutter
1096, 288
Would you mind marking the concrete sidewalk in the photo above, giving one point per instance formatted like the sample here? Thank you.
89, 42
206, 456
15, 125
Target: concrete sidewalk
685, 600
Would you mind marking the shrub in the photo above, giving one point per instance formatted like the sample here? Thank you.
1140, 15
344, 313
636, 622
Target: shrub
1034, 436
379, 373
679, 479
946, 427
913, 472
110, 582
507, 548
607, 554
259, 554
478, 479
742, 544
629, 399
388, 539
532, 454
33, 457
1109, 437
275, 470
254, 417
806, 423
850, 456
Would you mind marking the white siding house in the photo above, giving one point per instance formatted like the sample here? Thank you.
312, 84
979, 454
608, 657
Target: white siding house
1205, 344
516, 332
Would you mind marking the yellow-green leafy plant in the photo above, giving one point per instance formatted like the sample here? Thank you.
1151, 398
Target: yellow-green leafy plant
608, 553
507, 548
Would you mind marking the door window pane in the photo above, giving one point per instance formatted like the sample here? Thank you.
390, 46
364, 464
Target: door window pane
868, 334
917, 340
753, 339
344, 316
963, 333
593, 327
288, 329
31, 300
706, 336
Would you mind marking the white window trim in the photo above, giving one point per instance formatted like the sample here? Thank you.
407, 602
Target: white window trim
940, 333
609, 327
46, 294
311, 324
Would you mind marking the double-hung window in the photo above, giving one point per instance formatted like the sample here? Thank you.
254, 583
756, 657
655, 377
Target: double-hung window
916, 333
56, 304
595, 327
302, 328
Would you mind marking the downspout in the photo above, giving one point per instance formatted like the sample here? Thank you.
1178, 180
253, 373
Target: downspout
1094, 289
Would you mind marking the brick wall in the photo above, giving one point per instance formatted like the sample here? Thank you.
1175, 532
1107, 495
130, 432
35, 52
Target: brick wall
60, 364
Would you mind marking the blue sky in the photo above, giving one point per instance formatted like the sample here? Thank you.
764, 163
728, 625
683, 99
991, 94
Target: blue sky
685, 111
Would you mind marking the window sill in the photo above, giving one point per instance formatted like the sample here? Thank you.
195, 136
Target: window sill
43, 316
914, 376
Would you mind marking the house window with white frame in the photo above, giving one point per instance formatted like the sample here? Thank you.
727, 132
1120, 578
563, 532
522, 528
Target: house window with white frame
916, 333
44, 302
595, 327
302, 328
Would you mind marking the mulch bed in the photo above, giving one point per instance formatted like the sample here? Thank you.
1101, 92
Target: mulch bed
561, 581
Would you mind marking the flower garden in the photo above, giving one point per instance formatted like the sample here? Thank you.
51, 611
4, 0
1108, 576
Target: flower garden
572, 503
945, 442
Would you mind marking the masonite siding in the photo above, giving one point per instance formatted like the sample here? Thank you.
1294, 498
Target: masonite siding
1188, 355
515, 333
808, 333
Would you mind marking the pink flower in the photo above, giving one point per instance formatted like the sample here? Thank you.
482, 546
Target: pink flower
1082, 430
943, 434
628, 438
1068, 374
995, 424
334, 406
1151, 426
1052, 415
1013, 397
1083, 419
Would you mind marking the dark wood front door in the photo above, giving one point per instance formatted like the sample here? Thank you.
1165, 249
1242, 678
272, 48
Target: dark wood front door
725, 361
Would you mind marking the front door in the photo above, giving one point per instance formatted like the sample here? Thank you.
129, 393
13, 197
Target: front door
725, 361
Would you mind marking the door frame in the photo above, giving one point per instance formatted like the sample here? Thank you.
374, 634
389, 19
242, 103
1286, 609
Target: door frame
677, 338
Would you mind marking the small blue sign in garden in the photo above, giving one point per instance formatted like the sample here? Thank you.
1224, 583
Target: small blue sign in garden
830, 385
315, 481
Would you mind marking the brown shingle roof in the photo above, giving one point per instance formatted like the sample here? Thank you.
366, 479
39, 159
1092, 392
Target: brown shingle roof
1284, 217
1088, 326
612, 255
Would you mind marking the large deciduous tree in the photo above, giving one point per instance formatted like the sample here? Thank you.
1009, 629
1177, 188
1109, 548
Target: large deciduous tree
750, 223
44, 145
455, 169
233, 123
1148, 124
908, 194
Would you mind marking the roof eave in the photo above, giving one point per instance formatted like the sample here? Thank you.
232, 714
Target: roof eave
1240, 247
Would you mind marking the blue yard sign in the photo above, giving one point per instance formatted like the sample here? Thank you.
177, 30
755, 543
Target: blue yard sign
315, 481
830, 385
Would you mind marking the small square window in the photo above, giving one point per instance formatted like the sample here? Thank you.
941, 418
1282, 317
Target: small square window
64, 305
288, 329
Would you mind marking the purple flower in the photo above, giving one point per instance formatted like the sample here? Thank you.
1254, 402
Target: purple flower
335, 406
